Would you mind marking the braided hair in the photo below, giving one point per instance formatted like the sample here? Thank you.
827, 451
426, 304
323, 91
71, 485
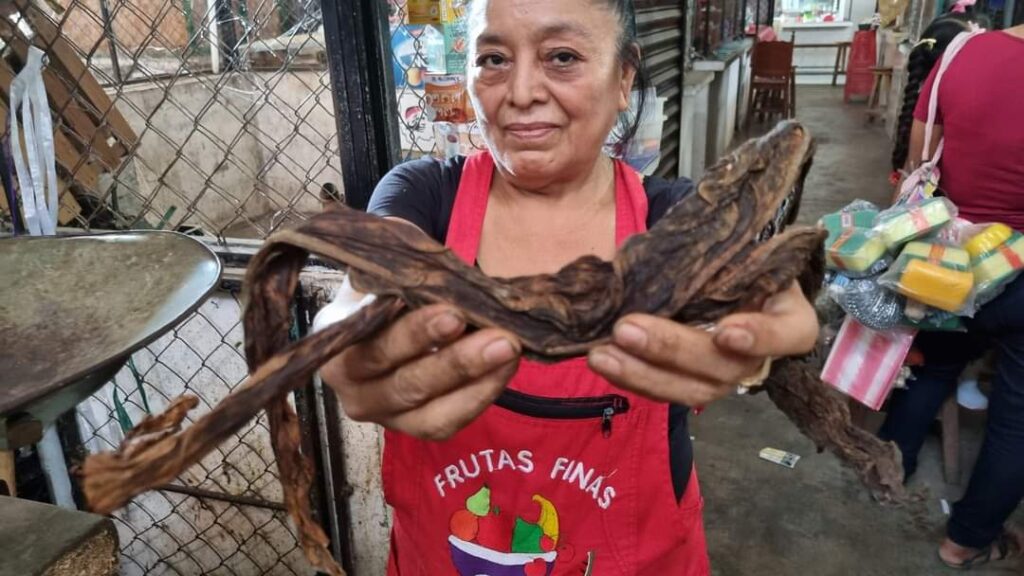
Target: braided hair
926, 53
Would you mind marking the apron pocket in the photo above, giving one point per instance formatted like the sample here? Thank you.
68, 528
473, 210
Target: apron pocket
604, 407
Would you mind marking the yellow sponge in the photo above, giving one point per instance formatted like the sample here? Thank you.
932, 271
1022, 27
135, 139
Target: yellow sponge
899, 225
853, 250
988, 239
995, 264
947, 256
935, 285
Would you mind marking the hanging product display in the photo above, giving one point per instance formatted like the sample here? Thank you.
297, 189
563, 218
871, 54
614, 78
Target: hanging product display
446, 99
430, 76
416, 52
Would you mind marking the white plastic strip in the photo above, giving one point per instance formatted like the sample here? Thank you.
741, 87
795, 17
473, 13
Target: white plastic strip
35, 164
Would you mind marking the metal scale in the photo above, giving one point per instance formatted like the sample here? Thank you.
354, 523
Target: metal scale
72, 311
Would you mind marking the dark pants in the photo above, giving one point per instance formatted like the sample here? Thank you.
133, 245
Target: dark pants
997, 482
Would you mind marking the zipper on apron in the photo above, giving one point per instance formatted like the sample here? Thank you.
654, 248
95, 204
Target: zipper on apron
606, 421
604, 407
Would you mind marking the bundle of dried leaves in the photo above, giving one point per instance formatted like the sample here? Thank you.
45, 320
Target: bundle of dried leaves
699, 263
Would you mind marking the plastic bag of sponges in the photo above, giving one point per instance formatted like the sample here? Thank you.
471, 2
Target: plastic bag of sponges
852, 247
901, 224
934, 274
997, 258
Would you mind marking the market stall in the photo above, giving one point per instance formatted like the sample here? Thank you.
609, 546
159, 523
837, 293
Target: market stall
818, 29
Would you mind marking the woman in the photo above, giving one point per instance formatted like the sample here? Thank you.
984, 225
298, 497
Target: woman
920, 62
583, 464
982, 173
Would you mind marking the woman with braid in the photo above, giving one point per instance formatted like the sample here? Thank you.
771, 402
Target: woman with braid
921, 61
982, 121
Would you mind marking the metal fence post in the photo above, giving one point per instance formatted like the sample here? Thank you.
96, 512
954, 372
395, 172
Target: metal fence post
359, 60
108, 31
227, 35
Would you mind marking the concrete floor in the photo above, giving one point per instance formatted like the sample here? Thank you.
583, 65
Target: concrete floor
816, 520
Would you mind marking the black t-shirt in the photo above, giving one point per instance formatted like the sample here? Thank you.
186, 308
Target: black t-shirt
423, 192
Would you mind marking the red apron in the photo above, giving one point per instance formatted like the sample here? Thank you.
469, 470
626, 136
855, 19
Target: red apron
565, 475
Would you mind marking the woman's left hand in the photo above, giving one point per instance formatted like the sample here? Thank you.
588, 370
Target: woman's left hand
670, 362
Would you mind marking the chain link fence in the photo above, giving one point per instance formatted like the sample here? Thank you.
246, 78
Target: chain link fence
225, 514
213, 118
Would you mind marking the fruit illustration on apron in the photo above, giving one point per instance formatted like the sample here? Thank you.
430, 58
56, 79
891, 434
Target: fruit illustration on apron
486, 540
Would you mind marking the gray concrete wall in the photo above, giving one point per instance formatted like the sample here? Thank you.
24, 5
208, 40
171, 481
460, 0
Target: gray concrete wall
303, 143
371, 516
264, 142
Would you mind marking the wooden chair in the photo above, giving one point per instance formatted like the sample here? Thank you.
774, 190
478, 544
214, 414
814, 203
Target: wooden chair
949, 419
842, 53
879, 92
772, 80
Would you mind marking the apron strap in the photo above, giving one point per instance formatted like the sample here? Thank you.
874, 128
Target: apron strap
630, 203
470, 207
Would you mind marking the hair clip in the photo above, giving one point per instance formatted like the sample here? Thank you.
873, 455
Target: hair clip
929, 41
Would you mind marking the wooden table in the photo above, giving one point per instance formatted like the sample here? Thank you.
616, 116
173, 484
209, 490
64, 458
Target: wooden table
842, 52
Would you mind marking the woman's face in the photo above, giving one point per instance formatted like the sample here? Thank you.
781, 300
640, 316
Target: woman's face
547, 84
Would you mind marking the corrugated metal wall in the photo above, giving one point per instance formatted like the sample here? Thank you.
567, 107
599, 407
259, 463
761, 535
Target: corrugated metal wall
661, 26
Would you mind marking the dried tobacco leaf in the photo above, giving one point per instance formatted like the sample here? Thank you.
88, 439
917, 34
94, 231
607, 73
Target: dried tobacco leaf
700, 262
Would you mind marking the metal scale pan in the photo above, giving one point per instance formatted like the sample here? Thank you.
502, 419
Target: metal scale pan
74, 308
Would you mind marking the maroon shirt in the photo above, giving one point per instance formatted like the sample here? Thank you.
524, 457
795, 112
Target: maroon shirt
981, 109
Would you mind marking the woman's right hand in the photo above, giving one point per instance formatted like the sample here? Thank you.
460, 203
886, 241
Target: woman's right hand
421, 375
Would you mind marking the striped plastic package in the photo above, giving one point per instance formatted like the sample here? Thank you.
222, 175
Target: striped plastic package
864, 363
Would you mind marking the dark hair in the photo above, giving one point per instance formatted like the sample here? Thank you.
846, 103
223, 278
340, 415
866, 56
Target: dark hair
926, 53
629, 53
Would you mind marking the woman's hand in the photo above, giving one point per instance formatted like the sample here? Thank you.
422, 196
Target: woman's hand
421, 376
666, 361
